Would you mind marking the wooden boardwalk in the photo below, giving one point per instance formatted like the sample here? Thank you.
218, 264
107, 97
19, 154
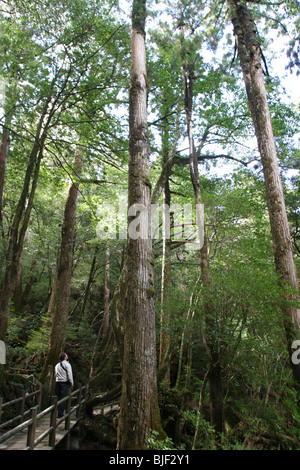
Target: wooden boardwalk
43, 430
19, 441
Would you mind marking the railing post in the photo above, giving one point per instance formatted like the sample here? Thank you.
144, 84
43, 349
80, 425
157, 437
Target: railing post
32, 428
1, 401
39, 401
53, 418
79, 403
88, 393
68, 419
22, 408
68, 410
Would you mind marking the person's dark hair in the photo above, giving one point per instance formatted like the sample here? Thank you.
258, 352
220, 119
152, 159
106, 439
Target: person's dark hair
62, 356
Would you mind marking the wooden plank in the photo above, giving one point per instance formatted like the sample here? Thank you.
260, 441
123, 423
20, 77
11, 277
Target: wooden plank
19, 441
35, 429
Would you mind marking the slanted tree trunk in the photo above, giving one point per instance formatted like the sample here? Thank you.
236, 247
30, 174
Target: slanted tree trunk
58, 308
20, 222
3, 157
9, 107
249, 53
139, 412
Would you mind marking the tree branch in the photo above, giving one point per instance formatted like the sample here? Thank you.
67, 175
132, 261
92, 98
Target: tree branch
182, 161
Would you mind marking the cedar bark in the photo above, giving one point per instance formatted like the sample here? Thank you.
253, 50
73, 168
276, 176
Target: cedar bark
58, 308
249, 53
139, 412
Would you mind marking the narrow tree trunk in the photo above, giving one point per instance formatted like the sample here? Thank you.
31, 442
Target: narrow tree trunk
20, 223
199, 410
117, 313
186, 333
3, 157
165, 337
58, 308
106, 294
215, 386
139, 412
88, 287
250, 59
31, 279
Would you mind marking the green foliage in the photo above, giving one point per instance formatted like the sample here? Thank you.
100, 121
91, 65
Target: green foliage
207, 438
154, 443
37, 344
79, 52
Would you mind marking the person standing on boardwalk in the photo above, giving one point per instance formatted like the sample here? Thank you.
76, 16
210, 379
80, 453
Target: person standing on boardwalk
63, 379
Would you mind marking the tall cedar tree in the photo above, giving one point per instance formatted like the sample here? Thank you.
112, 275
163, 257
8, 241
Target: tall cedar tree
250, 57
139, 412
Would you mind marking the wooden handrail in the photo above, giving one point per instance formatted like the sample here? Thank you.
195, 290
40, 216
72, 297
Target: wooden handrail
17, 400
22, 401
31, 423
109, 405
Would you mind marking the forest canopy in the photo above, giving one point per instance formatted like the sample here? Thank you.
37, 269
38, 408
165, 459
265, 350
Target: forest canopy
149, 212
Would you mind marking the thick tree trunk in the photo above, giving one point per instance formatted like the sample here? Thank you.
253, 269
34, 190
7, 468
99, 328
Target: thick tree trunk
139, 412
17, 293
30, 281
58, 308
250, 59
216, 395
